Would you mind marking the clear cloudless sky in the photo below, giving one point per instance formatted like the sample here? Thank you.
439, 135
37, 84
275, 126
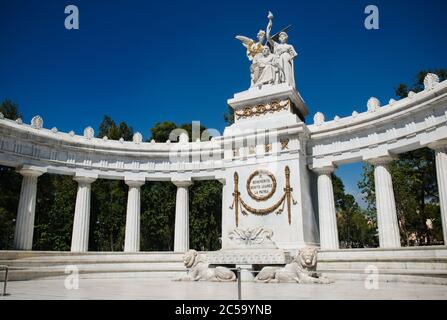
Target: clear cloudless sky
149, 61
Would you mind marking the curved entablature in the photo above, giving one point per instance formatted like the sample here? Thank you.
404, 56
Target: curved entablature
67, 153
414, 122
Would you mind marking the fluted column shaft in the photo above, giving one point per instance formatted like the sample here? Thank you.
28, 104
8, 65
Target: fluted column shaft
81, 223
389, 236
23, 235
441, 174
132, 239
326, 210
181, 233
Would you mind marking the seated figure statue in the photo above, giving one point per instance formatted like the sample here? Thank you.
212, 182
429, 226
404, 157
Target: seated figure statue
266, 68
198, 269
301, 270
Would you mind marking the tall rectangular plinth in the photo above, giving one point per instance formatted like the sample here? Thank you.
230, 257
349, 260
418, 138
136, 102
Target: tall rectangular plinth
267, 201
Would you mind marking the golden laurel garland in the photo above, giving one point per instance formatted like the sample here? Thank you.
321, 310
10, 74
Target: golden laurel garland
262, 212
260, 109
239, 203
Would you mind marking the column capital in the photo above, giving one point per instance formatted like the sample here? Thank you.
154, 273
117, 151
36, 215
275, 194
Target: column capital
439, 145
84, 179
31, 171
134, 183
327, 170
381, 161
182, 183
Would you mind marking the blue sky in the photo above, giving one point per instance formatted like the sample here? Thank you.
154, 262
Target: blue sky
147, 61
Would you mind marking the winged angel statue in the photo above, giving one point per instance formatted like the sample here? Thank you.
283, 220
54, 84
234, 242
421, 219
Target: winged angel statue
271, 57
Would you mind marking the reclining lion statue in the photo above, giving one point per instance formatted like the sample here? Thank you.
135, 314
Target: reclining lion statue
301, 270
198, 269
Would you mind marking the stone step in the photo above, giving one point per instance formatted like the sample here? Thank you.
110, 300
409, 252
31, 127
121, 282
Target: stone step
170, 275
59, 273
370, 254
130, 265
390, 275
27, 265
413, 264
408, 264
14, 255
24, 263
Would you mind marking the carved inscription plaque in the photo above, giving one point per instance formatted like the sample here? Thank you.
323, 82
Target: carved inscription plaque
261, 185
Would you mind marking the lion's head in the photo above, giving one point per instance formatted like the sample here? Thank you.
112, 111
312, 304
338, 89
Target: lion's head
189, 259
307, 258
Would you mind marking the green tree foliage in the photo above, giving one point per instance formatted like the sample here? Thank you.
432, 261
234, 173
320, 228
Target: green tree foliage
10, 182
229, 116
10, 110
158, 216
160, 132
56, 198
205, 215
355, 228
108, 215
109, 129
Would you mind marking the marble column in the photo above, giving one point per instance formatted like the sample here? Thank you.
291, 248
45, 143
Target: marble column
132, 239
181, 233
326, 210
441, 174
389, 236
23, 235
81, 224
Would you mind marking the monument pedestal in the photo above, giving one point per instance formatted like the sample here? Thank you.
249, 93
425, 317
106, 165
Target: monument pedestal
268, 184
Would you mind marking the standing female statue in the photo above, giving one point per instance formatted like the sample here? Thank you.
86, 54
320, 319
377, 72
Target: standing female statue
285, 52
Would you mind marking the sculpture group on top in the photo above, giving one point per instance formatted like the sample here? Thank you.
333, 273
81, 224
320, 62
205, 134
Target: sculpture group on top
271, 57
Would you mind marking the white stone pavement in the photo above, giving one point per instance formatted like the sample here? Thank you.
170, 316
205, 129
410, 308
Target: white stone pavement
132, 289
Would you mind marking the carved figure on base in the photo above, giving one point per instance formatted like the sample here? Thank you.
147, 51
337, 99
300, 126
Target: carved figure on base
198, 269
301, 270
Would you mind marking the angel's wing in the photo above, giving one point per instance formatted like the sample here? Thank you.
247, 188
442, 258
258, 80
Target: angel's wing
246, 41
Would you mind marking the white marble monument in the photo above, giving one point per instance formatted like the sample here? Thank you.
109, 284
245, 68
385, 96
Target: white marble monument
275, 171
